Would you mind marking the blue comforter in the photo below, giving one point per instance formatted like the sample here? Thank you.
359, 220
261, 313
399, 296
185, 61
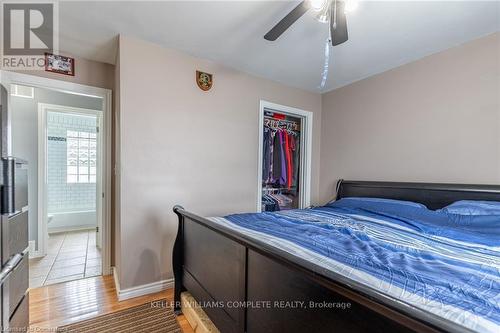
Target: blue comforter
440, 257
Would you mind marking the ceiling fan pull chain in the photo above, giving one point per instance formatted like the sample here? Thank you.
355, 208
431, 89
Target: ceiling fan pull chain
324, 75
334, 10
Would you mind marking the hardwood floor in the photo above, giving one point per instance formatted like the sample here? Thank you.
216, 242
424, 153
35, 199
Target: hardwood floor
68, 302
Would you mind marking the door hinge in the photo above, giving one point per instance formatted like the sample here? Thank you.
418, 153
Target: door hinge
96, 229
103, 194
97, 129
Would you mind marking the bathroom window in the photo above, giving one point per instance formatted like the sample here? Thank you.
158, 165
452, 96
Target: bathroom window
81, 157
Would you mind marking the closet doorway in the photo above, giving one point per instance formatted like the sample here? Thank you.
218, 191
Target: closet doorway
284, 169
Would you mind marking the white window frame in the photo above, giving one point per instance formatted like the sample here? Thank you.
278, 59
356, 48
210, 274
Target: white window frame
78, 174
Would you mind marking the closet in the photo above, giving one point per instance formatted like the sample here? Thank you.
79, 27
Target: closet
281, 161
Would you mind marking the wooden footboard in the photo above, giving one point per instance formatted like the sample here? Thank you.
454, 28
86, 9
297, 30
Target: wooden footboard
245, 285
213, 270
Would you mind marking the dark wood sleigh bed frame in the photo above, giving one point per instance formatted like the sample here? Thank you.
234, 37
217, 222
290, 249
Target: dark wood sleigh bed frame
245, 285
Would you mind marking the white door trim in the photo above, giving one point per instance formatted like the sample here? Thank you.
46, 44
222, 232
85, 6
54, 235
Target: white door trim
42, 183
83, 90
42, 166
305, 145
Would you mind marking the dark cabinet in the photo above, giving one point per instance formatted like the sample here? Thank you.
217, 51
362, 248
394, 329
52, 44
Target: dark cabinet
14, 274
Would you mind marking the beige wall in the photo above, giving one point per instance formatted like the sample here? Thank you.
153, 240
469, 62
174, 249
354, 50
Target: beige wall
434, 120
88, 72
180, 145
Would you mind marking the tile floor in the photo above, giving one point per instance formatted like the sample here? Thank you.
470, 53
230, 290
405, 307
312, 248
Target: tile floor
70, 256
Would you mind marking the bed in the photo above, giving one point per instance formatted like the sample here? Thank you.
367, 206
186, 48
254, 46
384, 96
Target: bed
354, 265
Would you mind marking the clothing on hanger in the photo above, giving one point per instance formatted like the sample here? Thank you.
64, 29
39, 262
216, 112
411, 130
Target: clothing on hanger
276, 158
283, 159
266, 171
288, 161
295, 159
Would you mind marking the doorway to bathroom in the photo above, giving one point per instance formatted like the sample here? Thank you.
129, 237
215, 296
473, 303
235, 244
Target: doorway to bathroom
69, 184
63, 131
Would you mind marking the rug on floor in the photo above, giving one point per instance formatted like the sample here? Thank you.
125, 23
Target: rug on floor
151, 317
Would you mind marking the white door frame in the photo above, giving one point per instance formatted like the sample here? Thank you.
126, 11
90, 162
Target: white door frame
9, 78
43, 108
305, 146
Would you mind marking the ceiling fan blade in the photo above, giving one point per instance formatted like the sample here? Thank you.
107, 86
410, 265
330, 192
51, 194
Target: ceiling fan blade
287, 21
338, 23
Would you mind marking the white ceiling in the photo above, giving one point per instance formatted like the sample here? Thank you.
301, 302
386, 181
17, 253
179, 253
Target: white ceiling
382, 35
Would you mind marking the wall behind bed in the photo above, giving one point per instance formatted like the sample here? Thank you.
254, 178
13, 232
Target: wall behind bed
180, 145
433, 120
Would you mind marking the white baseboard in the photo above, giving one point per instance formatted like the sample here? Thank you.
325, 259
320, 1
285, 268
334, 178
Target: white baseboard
141, 290
58, 230
33, 253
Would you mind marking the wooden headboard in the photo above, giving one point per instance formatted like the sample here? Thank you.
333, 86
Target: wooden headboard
434, 196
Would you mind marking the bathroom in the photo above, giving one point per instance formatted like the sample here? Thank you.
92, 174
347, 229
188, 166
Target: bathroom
71, 191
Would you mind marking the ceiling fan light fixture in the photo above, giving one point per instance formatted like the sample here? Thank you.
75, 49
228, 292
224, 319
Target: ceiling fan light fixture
351, 6
323, 16
318, 5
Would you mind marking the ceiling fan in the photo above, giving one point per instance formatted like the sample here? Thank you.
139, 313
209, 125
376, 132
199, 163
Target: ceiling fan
332, 11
